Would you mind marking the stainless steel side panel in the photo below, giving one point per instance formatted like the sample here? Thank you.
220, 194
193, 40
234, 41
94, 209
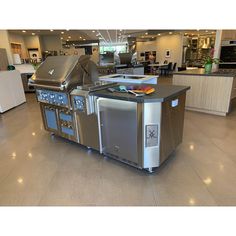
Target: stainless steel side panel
87, 129
120, 127
151, 134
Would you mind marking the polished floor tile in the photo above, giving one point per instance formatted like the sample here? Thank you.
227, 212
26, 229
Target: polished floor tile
43, 170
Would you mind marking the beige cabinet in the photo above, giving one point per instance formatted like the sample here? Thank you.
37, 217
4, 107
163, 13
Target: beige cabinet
209, 94
3, 59
228, 35
233, 94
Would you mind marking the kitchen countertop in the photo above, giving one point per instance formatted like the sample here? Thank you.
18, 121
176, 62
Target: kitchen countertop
201, 72
25, 68
127, 78
162, 93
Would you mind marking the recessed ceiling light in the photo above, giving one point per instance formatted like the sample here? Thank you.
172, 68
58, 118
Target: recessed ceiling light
191, 201
120, 30
61, 38
62, 32
84, 39
159, 34
170, 32
51, 30
23, 31
67, 40
207, 181
69, 37
146, 33
93, 31
212, 32
20, 180
67, 30
80, 37
33, 33
129, 35
191, 147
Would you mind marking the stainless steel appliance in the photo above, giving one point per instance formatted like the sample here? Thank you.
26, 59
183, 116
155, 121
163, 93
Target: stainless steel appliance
54, 80
85, 112
228, 55
141, 134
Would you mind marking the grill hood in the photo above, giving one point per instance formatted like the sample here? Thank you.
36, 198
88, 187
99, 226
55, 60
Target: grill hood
64, 72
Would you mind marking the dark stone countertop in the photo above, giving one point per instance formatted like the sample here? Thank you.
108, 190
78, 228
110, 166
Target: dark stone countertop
162, 93
201, 72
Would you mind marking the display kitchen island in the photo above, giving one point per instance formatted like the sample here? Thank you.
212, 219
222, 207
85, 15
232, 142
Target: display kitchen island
211, 93
141, 131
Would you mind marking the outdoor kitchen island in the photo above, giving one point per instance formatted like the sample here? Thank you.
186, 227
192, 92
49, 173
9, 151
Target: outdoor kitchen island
141, 131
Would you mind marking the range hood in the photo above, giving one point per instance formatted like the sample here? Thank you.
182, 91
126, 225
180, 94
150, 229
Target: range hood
207, 43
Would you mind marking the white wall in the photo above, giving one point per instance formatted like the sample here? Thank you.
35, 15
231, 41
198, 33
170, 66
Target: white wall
33, 42
172, 42
146, 46
4, 43
51, 43
19, 39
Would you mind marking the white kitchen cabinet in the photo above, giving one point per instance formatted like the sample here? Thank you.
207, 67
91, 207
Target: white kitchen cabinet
11, 90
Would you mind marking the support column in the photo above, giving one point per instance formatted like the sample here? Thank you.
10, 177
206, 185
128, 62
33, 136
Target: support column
217, 48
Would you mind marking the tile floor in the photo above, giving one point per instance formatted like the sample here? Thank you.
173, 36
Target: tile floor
38, 169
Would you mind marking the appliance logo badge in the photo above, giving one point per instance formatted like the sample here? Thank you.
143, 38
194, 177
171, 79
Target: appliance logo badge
51, 72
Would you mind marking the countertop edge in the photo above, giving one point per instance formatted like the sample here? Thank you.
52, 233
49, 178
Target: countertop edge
144, 99
200, 72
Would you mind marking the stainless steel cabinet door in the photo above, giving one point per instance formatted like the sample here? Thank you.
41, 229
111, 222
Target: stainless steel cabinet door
119, 128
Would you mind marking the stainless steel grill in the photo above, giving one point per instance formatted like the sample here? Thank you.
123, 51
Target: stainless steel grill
54, 80
64, 73
63, 85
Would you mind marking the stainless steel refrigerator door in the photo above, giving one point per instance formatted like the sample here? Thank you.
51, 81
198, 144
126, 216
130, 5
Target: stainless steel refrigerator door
119, 126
